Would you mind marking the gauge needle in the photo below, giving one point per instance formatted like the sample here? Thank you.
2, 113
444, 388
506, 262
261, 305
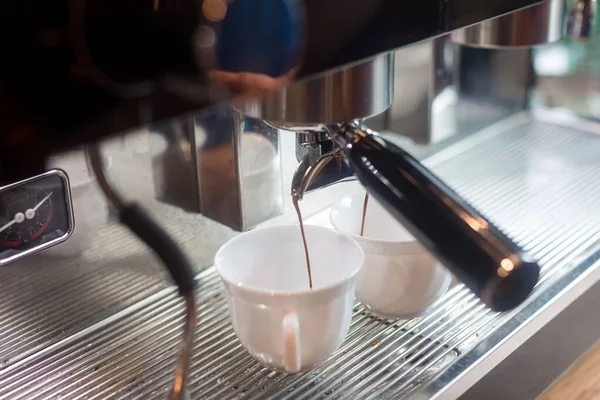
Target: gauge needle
19, 217
30, 213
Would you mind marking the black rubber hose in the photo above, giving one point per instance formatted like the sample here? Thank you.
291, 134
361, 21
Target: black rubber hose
135, 218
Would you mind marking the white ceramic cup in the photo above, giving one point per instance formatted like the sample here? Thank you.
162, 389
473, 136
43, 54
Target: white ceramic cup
280, 321
400, 278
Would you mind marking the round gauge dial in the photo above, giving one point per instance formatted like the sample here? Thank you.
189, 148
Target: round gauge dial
25, 213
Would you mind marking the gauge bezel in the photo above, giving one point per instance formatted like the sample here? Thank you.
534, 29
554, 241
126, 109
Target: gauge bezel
69, 214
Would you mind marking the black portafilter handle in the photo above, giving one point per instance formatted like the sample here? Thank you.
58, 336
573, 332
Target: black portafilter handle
474, 250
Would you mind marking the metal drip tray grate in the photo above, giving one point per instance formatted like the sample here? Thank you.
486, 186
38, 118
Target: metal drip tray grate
538, 180
132, 357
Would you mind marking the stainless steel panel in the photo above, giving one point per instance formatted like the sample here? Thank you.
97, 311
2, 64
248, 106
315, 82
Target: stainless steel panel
443, 90
356, 92
537, 179
425, 93
541, 24
224, 166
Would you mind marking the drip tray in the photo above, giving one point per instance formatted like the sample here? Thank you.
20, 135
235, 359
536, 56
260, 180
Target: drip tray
537, 177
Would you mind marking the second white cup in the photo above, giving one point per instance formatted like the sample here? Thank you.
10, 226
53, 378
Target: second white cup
400, 278
280, 321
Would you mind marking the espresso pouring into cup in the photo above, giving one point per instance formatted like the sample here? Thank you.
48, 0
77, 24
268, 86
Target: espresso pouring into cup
284, 324
473, 249
400, 279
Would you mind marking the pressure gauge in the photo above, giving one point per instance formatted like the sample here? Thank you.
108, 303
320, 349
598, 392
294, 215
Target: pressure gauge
35, 214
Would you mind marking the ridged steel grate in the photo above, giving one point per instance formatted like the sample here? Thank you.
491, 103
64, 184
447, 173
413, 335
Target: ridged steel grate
44, 299
537, 180
41, 299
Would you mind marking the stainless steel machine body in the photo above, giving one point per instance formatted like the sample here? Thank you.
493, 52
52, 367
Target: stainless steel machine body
101, 322
218, 160
225, 166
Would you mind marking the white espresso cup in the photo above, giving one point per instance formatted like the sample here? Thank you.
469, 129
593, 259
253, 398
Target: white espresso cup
400, 278
284, 324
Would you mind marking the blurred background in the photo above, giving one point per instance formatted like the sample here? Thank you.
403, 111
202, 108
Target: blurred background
569, 75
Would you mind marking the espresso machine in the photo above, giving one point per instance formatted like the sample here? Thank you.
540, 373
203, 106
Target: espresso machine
141, 136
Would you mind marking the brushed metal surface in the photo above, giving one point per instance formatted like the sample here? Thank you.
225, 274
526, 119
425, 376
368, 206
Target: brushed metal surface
536, 179
532, 368
224, 166
540, 24
356, 92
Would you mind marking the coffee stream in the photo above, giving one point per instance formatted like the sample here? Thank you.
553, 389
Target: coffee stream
295, 200
364, 215
297, 207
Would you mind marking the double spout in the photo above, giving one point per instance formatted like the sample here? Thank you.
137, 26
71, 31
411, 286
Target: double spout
320, 162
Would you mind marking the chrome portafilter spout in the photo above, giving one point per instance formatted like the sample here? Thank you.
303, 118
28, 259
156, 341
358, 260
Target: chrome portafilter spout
320, 162
472, 248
